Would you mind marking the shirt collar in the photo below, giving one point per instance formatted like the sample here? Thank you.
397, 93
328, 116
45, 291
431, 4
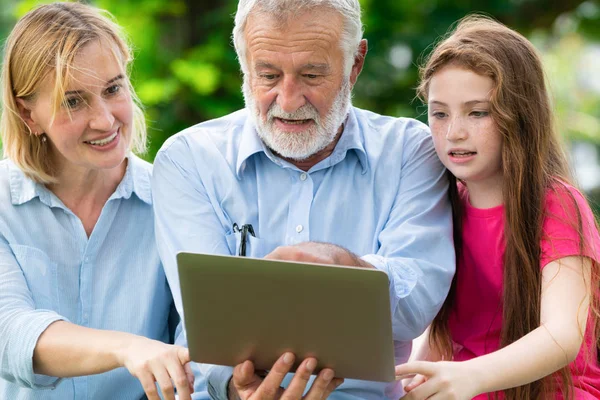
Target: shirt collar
351, 139
24, 189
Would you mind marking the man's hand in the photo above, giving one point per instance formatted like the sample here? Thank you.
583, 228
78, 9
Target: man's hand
318, 253
247, 385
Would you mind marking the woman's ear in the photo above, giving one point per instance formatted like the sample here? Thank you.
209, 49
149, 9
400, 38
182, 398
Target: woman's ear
25, 114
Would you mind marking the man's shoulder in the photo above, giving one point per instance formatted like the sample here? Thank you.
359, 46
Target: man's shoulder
393, 135
214, 133
390, 125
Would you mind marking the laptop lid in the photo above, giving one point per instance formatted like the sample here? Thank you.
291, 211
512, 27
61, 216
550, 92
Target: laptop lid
238, 309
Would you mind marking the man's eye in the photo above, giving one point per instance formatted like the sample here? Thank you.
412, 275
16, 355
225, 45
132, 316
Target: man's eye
269, 77
311, 76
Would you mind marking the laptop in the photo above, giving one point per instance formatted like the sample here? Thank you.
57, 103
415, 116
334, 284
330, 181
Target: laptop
242, 308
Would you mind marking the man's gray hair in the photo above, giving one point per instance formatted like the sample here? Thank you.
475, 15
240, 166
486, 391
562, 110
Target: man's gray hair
284, 10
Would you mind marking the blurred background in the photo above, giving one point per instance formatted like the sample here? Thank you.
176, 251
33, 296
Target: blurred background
185, 68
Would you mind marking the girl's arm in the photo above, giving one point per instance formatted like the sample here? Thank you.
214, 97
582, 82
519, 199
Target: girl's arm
65, 350
555, 344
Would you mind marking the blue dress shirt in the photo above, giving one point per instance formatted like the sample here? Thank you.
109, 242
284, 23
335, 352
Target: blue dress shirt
382, 194
50, 270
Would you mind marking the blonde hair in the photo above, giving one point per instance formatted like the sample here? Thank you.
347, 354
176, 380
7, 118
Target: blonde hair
45, 41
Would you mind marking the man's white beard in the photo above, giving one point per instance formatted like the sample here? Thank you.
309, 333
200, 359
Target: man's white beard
300, 145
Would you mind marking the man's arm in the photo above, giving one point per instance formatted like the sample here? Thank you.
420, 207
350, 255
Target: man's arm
185, 220
416, 245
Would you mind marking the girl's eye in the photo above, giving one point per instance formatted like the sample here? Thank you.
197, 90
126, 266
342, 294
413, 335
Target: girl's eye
438, 115
480, 114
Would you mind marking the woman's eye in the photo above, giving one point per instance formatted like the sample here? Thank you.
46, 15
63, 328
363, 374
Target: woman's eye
113, 89
480, 114
72, 102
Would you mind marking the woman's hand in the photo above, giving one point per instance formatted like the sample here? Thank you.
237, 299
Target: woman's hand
152, 361
439, 380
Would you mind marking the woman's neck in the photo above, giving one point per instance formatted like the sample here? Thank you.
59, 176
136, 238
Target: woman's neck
85, 191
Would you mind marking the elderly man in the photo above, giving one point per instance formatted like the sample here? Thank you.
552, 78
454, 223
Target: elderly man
318, 180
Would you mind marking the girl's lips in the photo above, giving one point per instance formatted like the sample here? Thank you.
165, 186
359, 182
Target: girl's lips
461, 158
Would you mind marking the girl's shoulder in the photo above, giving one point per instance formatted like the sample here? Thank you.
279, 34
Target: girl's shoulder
568, 218
563, 200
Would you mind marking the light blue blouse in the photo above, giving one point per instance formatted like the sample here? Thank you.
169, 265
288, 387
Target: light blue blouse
50, 270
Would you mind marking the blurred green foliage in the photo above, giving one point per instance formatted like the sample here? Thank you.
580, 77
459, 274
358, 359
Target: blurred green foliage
185, 68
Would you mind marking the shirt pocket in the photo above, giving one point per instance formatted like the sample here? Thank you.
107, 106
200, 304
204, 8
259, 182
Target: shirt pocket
41, 275
255, 247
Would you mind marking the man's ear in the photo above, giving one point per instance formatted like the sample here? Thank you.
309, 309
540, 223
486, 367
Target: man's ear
359, 61
25, 114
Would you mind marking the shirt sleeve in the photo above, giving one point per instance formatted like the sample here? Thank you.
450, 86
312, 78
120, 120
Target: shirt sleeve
416, 245
21, 325
568, 218
185, 220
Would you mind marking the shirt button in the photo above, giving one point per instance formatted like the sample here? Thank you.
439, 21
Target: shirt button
299, 228
303, 176
87, 259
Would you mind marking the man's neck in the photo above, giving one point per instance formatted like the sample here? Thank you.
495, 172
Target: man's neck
313, 160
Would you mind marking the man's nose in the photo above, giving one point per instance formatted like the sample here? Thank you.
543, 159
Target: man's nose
291, 96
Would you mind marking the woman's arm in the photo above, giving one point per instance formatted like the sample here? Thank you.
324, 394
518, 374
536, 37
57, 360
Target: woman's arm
555, 344
66, 350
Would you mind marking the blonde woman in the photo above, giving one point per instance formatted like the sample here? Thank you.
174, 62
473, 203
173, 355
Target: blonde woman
82, 290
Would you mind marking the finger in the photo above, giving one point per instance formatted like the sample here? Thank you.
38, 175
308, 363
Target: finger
148, 384
301, 378
416, 367
164, 382
322, 386
244, 376
422, 392
190, 376
269, 388
179, 377
417, 380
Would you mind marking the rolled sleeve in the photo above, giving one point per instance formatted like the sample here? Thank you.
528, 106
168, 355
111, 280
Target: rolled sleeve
20, 326
217, 380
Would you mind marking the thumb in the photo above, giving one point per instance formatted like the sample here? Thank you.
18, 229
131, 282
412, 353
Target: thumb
243, 374
184, 355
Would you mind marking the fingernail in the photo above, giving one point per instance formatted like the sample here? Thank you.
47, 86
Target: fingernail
328, 375
288, 358
311, 365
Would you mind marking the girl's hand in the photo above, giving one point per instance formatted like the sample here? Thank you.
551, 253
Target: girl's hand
152, 361
441, 380
414, 382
